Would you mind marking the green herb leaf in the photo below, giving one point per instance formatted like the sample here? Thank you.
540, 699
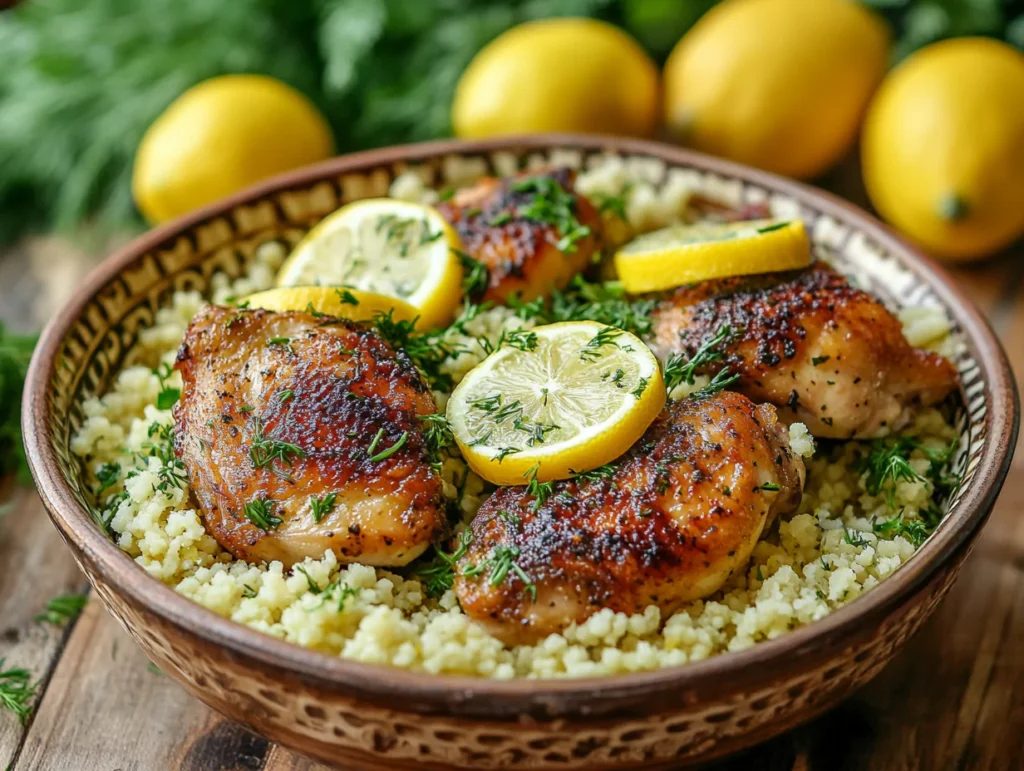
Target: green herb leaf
16, 691
62, 609
261, 513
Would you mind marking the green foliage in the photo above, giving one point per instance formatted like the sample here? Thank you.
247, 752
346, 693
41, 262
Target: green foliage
15, 352
81, 81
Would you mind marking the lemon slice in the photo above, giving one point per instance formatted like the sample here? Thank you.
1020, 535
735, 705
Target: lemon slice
568, 397
337, 301
390, 247
684, 254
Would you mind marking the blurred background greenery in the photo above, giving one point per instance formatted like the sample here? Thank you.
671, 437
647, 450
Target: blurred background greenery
81, 81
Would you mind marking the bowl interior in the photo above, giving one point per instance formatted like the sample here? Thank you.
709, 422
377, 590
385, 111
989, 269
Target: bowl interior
83, 350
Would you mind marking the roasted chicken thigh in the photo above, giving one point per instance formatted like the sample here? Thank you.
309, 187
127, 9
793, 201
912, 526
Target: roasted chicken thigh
823, 352
668, 523
302, 434
532, 232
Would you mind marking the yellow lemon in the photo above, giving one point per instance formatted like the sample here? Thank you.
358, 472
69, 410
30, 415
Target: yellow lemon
778, 84
685, 254
386, 246
341, 302
558, 75
221, 136
943, 147
569, 397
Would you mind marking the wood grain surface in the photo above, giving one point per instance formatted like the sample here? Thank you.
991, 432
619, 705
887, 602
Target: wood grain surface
954, 699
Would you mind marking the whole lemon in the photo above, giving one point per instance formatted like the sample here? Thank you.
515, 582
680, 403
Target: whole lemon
221, 136
558, 75
943, 147
778, 84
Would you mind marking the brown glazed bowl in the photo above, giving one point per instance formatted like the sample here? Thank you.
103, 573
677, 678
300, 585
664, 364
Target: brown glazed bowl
360, 716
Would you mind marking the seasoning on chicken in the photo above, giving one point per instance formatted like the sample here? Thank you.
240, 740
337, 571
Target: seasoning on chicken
823, 352
667, 524
301, 434
532, 232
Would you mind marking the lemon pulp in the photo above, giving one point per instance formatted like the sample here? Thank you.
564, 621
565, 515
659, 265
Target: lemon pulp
387, 247
576, 395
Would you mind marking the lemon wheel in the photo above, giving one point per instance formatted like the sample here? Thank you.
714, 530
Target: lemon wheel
387, 247
333, 301
684, 254
570, 397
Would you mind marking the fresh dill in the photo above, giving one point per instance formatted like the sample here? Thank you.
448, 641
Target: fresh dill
438, 436
168, 396
552, 204
63, 608
914, 530
475, 275
608, 203
16, 691
438, 575
346, 297
722, 380
499, 564
265, 452
641, 386
582, 300
321, 506
261, 513
854, 537
607, 471
540, 491
591, 352
679, 369
887, 463
388, 452
108, 476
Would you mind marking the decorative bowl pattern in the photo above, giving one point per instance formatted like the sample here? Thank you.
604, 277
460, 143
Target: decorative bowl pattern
368, 717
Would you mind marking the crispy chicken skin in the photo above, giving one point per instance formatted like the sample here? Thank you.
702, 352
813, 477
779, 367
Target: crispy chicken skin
255, 379
824, 353
681, 512
521, 253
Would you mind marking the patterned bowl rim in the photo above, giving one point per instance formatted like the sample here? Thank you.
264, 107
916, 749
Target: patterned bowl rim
420, 691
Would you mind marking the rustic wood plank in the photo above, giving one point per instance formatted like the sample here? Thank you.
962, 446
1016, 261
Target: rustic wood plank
106, 707
36, 568
281, 759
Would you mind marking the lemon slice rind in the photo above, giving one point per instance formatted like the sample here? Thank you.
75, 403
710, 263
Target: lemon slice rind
388, 247
564, 407
686, 254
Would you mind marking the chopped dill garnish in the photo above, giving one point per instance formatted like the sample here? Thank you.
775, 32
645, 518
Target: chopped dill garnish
722, 380
502, 562
285, 395
606, 337
583, 300
887, 463
16, 691
263, 452
679, 370
313, 311
770, 228
346, 297
768, 487
438, 575
62, 609
641, 386
108, 476
914, 530
854, 537
540, 491
504, 452
321, 506
612, 204
486, 403
607, 471
314, 587
261, 513
284, 342
387, 453
817, 360
553, 205
475, 275
437, 434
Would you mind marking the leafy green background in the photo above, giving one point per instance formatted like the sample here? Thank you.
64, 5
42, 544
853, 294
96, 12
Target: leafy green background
81, 81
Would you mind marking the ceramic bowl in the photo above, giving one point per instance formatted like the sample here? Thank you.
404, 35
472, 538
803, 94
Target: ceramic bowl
361, 716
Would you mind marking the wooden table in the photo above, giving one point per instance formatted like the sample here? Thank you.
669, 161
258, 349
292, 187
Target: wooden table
954, 699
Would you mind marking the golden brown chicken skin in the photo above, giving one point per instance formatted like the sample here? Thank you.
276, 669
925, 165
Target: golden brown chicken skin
532, 231
823, 352
678, 515
281, 411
